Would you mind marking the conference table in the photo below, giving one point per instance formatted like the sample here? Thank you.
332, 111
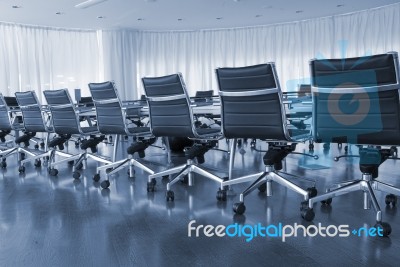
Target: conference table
294, 106
298, 110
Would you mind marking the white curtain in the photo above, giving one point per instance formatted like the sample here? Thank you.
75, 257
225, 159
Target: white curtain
290, 45
37, 58
119, 56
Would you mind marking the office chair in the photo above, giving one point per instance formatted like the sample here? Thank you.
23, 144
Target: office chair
356, 101
252, 107
9, 121
13, 105
171, 116
111, 120
33, 122
65, 122
5, 128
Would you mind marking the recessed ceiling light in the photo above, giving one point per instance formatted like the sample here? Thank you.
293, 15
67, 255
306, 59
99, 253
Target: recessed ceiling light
219, 18
180, 19
140, 19
340, 5
299, 11
59, 13
89, 3
257, 16
16, 6
101, 17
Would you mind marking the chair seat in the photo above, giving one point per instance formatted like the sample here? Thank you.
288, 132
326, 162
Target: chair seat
208, 131
139, 130
89, 129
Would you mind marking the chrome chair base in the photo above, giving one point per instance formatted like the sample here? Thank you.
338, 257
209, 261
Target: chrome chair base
114, 167
263, 181
188, 169
367, 185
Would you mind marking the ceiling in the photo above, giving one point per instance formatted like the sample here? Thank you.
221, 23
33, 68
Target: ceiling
161, 15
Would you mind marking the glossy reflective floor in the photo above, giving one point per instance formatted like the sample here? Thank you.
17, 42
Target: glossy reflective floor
59, 221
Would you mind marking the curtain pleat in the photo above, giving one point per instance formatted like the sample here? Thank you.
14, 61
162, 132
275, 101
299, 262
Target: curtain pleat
37, 58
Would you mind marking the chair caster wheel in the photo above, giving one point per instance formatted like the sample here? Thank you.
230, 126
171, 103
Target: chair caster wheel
21, 169
105, 184
41, 145
53, 172
79, 166
22, 156
150, 186
239, 208
326, 201
71, 162
303, 205
307, 214
37, 163
391, 199
311, 147
165, 177
169, 195
262, 188
36, 146
221, 195
96, 177
386, 228
3, 164
312, 192
76, 175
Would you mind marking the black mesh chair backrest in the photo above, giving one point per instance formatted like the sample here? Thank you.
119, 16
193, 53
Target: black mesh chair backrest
62, 110
31, 111
304, 90
86, 101
169, 109
356, 100
5, 123
11, 102
251, 101
203, 96
110, 118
